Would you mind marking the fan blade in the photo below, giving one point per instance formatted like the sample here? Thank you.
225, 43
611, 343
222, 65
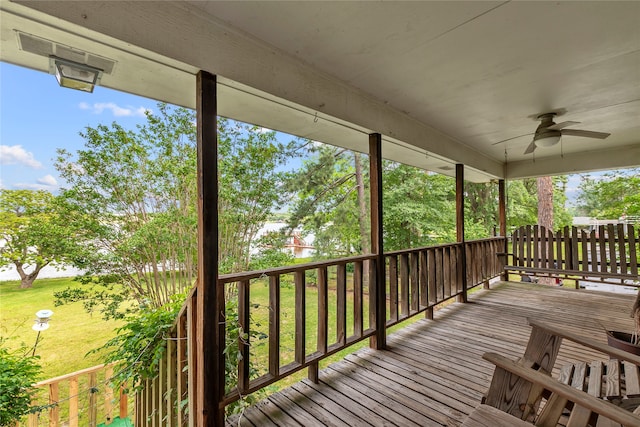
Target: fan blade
531, 148
562, 125
509, 139
585, 133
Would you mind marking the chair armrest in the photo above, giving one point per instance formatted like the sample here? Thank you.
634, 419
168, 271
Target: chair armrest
580, 398
586, 341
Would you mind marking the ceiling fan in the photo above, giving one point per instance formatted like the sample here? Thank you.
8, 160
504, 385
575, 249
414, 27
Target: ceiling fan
548, 133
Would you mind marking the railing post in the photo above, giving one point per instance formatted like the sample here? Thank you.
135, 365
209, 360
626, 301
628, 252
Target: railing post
460, 227
502, 218
379, 340
210, 316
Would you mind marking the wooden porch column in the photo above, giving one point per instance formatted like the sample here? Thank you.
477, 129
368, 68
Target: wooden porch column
209, 375
502, 218
460, 228
379, 340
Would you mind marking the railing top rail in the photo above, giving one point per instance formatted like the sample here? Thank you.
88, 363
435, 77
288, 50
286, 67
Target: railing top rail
442, 245
183, 309
73, 374
248, 275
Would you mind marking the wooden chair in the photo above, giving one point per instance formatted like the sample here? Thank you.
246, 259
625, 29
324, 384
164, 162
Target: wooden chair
524, 389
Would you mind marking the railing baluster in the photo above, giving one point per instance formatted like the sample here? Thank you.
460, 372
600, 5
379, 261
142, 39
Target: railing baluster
108, 393
54, 410
432, 268
161, 382
593, 255
300, 317
631, 237
446, 273
404, 285
424, 296
413, 275
536, 246
93, 399
357, 299
621, 249
73, 402
584, 240
172, 377
439, 274
323, 313
393, 288
341, 302
243, 341
274, 324
181, 364
124, 402
603, 249
544, 262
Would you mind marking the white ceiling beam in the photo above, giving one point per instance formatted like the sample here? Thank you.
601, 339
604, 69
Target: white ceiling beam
174, 30
611, 158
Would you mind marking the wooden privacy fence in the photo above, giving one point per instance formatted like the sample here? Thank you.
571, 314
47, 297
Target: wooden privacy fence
81, 398
282, 320
607, 254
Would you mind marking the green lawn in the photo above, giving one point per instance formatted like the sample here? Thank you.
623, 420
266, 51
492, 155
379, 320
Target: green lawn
72, 333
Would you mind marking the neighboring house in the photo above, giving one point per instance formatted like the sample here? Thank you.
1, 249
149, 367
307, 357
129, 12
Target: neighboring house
297, 245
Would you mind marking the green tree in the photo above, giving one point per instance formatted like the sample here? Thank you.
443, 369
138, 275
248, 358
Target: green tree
136, 191
522, 203
481, 209
326, 202
419, 207
36, 232
616, 194
251, 183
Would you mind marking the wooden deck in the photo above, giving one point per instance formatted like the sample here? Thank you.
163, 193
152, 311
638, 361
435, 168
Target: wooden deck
432, 373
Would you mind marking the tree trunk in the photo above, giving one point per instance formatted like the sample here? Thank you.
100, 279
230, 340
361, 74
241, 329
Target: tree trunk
545, 212
362, 206
362, 215
26, 280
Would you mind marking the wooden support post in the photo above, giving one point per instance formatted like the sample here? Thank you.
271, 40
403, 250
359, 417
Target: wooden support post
379, 340
460, 228
428, 313
502, 218
210, 304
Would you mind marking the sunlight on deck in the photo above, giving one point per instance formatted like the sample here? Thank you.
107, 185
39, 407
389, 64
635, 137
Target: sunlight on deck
433, 372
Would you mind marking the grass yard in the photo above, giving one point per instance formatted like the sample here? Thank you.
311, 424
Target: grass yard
72, 334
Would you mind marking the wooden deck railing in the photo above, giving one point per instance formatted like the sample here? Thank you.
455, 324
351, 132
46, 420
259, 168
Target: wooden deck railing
84, 397
608, 254
290, 318
419, 279
163, 400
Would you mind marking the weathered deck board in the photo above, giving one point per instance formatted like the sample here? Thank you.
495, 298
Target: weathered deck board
433, 372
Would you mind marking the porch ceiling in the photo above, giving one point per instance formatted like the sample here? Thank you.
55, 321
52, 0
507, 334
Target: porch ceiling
441, 81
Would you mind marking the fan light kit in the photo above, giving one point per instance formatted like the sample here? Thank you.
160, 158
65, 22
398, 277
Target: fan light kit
549, 133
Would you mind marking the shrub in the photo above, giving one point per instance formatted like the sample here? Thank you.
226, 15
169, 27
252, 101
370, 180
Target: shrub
18, 372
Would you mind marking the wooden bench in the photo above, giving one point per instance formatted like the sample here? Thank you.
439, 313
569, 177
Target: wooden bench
525, 390
613, 380
606, 255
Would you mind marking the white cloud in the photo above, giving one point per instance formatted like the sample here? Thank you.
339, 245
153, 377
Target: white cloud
15, 154
48, 180
262, 130
47, 183
116, 110
31, 186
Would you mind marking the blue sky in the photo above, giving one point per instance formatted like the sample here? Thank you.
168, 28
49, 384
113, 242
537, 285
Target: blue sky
37, 117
